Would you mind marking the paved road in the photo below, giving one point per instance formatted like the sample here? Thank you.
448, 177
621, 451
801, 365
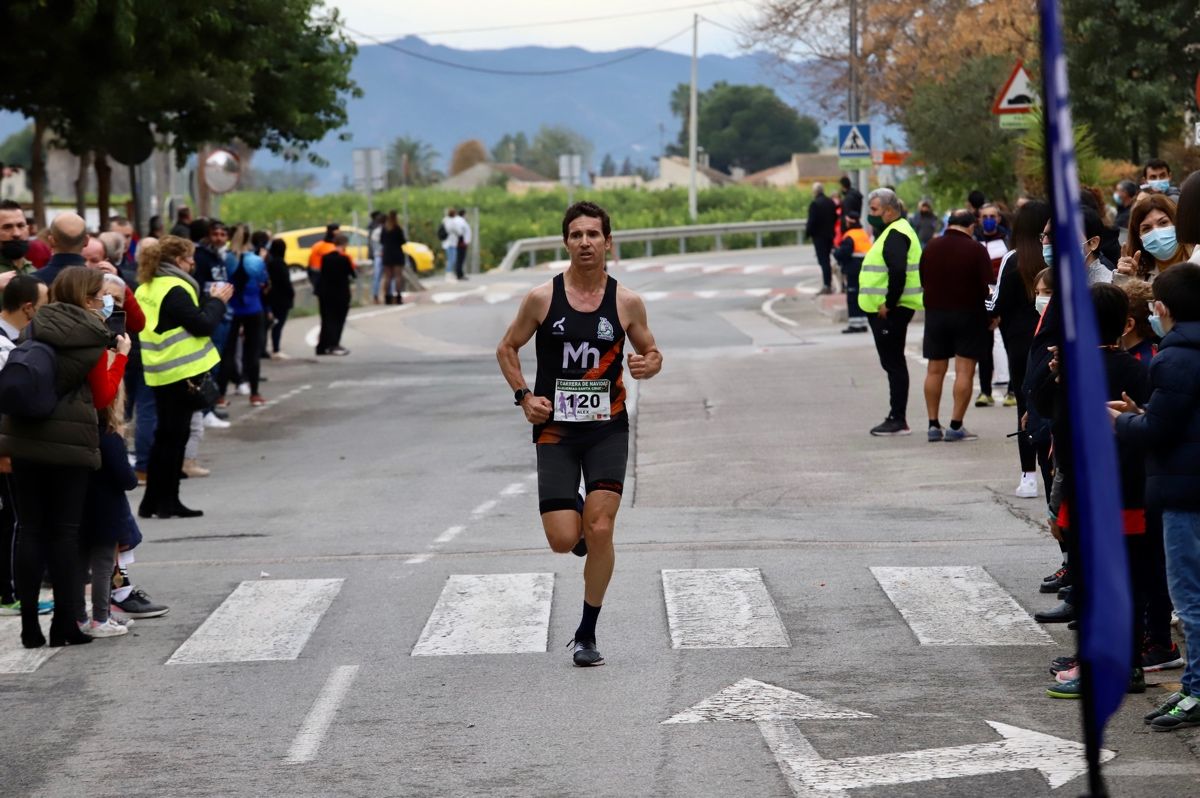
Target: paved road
368, 607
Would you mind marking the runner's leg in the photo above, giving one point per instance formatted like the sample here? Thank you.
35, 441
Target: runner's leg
559, 468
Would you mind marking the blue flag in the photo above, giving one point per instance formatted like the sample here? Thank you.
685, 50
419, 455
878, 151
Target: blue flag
1106, 625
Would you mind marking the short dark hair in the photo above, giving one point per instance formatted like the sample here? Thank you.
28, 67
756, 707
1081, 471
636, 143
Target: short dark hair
1155, 163
341, 240
1178, 287
1129, 187
21, 289
1187, 210
1093, 225
10, 205
977, 199
182, 212
845, 181
962, 218
199, 229
259, 239
587, 209
331, 230
1112, 309
117, 219
278, 248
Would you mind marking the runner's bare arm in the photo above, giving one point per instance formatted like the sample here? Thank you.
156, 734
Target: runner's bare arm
533, 310
648, 360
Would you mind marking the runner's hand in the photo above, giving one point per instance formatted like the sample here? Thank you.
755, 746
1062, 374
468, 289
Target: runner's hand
537, 409
639, 368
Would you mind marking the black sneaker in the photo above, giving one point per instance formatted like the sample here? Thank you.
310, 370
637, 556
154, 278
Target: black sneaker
1165, 707
138, 605
1162, 658
891, 427
1054, 577
1063, 664
1184, 714
585, 654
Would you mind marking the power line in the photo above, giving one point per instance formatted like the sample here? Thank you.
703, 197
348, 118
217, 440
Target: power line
520, 72
626, 15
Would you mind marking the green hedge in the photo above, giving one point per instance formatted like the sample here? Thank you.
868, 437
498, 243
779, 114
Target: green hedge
503, 218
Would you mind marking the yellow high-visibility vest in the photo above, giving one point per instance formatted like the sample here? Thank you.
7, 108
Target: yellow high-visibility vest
175, 354
873, 279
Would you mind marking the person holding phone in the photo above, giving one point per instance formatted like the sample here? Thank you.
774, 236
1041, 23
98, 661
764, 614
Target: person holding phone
177, 355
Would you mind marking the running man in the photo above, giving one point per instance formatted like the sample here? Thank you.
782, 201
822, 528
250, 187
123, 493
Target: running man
577, 407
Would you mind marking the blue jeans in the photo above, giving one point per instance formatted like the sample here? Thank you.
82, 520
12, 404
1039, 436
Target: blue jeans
139, 405
377, 278
1181, 539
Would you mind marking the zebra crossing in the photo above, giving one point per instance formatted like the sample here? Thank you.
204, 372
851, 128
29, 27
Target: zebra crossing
510, 613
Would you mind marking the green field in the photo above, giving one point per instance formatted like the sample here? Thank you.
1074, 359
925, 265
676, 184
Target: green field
503, 218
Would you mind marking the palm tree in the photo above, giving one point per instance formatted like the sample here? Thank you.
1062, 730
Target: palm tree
421, 158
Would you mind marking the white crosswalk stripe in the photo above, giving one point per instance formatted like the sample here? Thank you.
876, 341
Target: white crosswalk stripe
721, 608
959, 606
489, 614
260, 620
15, 658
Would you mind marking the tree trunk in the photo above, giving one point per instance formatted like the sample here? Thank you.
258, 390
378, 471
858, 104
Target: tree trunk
81, 182
37, 172
103, 185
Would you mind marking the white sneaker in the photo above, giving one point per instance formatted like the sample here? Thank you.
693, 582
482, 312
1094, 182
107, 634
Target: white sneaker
107, 629
117, 615
212, 422
243, 389
1028, 488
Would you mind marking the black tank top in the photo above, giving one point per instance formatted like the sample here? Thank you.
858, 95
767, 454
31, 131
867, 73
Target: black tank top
575, 351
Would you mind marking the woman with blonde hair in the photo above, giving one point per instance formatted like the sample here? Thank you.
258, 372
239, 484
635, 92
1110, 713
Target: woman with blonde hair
178, 355
53, 456
248, 276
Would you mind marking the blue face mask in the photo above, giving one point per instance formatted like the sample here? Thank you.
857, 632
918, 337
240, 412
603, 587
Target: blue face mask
1117, 199
1157, 325
1048, 254
1160, 242
989, 225
107, 310
1159, 185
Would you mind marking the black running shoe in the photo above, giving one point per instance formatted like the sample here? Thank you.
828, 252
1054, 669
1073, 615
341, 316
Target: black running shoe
138, 605
891, 427
585, 654
1161, 658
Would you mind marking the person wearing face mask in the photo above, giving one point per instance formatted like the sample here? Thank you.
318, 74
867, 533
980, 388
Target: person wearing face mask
1167, 429
1156, 178
925, 222
14, 239
1124, 197
52, 457
1098, 270
991, 232
1153, 241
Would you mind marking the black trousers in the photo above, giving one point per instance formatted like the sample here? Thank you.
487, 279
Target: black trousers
170, 440
851, 270
824, 246
49, 503
8, 540
458, 262
252, 328
1018, 360
334, 310
1158, 598
890, 334
277, 328
986, 367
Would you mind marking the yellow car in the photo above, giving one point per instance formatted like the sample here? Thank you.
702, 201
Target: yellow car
300, 243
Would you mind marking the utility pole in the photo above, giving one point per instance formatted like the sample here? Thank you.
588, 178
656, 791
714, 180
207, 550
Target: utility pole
856, 93
692, 213
404, 182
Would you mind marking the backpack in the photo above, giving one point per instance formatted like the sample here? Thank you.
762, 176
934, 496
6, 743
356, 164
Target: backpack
441, 232
27, 381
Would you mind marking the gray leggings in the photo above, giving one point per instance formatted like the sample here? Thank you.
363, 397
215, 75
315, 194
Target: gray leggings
100, 557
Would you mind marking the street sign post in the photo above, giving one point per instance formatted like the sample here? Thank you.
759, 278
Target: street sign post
369, 174
854, 146
1016, 100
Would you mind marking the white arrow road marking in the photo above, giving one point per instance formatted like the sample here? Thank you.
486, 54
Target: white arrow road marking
489, 614
721, 608
316, 724
1058, 760
260, 620
752, 700
959, 606
14, 657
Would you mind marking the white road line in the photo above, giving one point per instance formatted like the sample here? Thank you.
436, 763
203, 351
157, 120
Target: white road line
654, 296
637, 267
484, 508
276, 401
489, 614
789, 271
443, 297
310, 338
768, 309
721, 608
316, 723
515, 489
719, 267
415, 381
756, 291
260, 620
681, 267
755, 269
14, 657
959, 606
449, 535
419, 558
496, 299
708, 294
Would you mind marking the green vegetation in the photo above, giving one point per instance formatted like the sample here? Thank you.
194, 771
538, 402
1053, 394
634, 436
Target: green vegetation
504, 217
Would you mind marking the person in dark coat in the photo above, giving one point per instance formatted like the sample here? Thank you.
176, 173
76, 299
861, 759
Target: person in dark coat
852, 198
392, 241
822, 221
282, 297
337, 274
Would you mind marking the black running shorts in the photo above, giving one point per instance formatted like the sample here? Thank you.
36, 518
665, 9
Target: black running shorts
600, 459
956, 333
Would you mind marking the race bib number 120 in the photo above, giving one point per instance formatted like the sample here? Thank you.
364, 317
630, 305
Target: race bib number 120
581, 400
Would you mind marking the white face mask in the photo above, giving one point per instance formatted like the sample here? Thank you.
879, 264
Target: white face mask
1040, 303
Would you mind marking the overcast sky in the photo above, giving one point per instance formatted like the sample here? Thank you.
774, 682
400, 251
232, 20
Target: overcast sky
448, 22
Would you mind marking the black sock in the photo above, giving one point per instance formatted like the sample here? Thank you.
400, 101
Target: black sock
955, 424
935, 424
586, 632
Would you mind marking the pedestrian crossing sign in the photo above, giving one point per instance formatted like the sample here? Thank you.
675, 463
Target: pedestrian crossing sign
854, 146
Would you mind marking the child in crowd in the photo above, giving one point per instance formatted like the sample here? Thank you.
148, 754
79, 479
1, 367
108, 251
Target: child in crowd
1167, 428
1138, 339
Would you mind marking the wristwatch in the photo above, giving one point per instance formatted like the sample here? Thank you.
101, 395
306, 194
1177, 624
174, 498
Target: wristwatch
520, 395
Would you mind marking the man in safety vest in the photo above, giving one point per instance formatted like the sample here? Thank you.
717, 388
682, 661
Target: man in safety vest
889, 292
854, 246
